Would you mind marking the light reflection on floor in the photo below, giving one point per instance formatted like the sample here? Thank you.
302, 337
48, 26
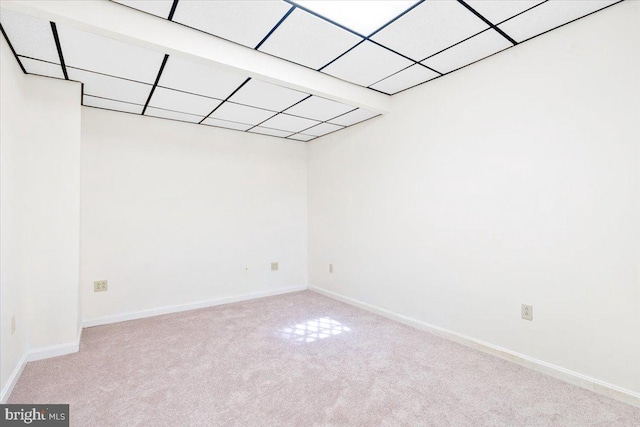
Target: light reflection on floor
313, 330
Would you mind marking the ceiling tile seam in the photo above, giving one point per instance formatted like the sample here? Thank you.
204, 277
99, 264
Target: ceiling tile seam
275, 27
404, 56
395, 19
389, 76
281, 112
341, 55
103, 74
4, 34
173, 10
566, 23
56, 39
39, 60
520, 13
118, 100
327, 122
155, 84
324, 18
456, 44
226, 99
486, 21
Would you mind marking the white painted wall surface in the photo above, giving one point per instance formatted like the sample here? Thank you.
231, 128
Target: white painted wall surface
12, 114
515, 180
40, 212
174, 213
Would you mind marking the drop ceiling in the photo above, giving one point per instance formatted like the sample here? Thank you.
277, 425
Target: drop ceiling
383, 46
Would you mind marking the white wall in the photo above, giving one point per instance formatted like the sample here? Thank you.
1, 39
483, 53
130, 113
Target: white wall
13, 94
515, 180
174, 213
40, 213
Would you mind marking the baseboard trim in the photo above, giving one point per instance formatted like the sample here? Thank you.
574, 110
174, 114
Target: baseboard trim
13, 379
601, 387
53, 351
188, 306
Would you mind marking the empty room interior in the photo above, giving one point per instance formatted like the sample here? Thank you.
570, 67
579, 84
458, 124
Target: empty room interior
320, 213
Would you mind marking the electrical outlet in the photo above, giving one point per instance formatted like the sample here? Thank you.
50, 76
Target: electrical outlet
100, 286
527, 312
274, 266
330, 268
13, 324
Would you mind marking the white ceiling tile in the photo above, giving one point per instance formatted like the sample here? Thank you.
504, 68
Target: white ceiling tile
197, 78
308, 40
429, 28
550, 15
111, 87
497, 11
160, 8
226, 124
104, 55
110, 104
271, 132
29, 36
353, 117
290, 123
241, 113
183, 102
42, 68
366, 64
362, 16
173, 115
318, 108
322, 129
266, 95
477, 47
301, 137
244, 22
406, 78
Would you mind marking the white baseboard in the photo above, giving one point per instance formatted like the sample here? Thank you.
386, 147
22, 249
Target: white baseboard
13, 379
188, 306
601, 387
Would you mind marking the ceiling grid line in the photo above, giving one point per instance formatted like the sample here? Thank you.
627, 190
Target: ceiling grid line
4, 34
275, 27
225, 100
155, 84
54, 31
486, 21
281, 112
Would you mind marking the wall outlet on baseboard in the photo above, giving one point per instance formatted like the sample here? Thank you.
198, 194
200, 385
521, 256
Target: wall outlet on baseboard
527, 312
13, 324
100, 286
274, 266
330, 268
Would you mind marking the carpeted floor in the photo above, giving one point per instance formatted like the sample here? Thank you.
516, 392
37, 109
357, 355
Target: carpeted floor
299, 360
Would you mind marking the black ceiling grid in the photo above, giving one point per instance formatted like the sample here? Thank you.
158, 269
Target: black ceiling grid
364, 38
12, 49
249, 78
502, 22
333, 118
173, 10
226, 99
280, 112
327, 121
264, 39
164, 62
489, 23
155, 84
54, 30
561, 25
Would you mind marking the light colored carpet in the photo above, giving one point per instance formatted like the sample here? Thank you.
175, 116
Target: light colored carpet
299, 360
